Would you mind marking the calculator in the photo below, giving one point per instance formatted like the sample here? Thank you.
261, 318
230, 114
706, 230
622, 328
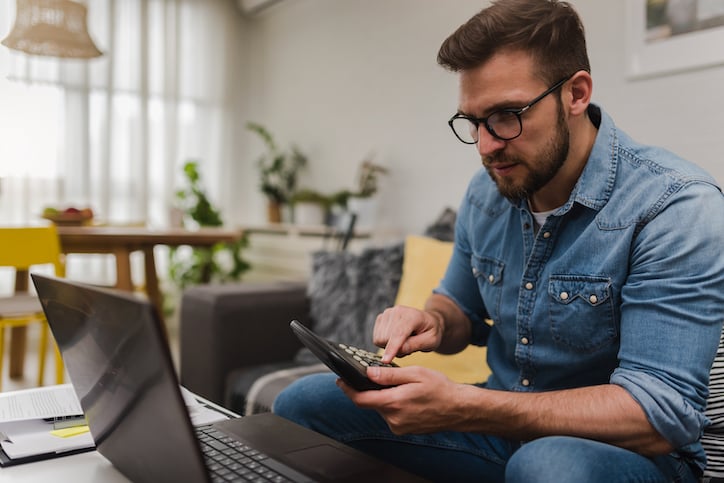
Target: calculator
348, 362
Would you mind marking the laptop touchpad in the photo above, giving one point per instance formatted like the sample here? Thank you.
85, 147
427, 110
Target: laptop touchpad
331, 462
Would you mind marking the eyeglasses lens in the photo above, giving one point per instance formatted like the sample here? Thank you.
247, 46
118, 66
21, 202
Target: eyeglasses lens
506, 125
503, 124
465, 129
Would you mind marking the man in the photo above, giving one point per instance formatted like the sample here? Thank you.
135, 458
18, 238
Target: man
598, 261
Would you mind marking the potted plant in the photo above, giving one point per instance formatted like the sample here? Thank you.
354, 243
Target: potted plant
278, 171
192, 198
361, 201
222, 262
368, 178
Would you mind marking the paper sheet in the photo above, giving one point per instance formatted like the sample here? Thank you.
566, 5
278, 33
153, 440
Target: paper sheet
39, 403
28, 438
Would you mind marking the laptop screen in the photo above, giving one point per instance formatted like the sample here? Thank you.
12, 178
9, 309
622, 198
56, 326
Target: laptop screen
118, 360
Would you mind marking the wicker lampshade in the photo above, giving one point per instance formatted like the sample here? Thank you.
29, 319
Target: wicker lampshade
54, 28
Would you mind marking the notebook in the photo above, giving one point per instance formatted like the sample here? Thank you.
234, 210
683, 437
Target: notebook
120, 366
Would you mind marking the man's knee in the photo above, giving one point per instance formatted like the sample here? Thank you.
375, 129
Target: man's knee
304, 400
553, 459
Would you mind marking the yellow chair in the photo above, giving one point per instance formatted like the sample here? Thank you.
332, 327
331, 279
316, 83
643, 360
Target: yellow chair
21, 249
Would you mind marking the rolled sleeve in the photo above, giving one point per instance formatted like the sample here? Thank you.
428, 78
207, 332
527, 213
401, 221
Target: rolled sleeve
671, 314
672, 415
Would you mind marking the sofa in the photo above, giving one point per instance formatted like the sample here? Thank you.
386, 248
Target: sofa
236, 347
234, 336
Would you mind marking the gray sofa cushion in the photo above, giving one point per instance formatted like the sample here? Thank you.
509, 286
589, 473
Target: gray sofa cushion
347, 291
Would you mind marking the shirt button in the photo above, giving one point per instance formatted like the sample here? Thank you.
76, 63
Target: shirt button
564, 295
525, 382
593, 299
491, 278
524, 340
529, 286
547, 234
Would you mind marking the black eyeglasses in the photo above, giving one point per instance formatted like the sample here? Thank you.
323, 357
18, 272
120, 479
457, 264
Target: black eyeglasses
504, 124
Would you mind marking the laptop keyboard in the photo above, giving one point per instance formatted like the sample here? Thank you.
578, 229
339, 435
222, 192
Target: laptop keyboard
231, 460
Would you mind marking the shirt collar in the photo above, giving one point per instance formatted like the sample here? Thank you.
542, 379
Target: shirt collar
594, 186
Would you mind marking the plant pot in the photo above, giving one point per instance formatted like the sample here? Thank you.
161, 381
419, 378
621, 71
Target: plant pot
307, 213
274, 212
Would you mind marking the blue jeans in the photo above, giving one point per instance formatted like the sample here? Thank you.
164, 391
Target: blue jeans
317, 403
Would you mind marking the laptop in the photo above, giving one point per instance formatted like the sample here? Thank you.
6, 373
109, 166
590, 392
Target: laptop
118, 360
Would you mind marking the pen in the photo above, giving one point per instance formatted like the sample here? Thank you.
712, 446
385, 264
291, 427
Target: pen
4, 437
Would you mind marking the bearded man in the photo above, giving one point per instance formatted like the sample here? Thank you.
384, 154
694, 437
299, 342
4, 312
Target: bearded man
597, 259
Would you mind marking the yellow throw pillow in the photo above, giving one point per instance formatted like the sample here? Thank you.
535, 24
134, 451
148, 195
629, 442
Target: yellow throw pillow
423, 267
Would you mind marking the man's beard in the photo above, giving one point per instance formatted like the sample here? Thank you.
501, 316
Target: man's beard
551, 159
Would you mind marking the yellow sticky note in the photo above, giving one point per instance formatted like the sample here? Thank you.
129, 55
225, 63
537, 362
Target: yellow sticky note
68, 432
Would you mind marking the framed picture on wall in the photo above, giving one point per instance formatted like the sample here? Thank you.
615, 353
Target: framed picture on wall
669, 36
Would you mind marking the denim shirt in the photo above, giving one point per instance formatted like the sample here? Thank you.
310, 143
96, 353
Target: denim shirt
624, 284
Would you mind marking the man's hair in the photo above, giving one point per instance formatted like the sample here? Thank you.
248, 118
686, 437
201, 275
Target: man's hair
549, 30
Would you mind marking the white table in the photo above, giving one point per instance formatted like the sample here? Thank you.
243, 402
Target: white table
88, 467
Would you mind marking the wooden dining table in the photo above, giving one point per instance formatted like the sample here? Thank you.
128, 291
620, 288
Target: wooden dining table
121, 241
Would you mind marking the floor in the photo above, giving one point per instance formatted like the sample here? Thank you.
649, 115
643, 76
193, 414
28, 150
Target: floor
30, 375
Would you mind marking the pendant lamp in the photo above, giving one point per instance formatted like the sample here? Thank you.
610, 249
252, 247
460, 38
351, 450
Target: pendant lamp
55, 28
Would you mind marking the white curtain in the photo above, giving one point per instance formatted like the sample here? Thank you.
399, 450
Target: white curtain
112, 133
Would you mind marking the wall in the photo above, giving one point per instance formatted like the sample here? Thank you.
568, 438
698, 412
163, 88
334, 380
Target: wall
683, 112
346, 78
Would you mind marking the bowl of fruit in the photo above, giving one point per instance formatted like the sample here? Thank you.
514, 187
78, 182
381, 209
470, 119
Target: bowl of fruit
70, 216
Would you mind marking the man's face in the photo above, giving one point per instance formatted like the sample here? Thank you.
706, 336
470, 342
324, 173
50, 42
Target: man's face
524, 165
537, 172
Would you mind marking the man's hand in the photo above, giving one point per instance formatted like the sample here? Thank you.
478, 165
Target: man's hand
404, 330
440, 327
422, 400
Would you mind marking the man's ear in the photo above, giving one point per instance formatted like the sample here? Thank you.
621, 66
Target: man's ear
580, 91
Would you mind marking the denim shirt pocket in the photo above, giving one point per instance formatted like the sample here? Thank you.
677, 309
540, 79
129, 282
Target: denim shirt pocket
489, 274
581, 312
